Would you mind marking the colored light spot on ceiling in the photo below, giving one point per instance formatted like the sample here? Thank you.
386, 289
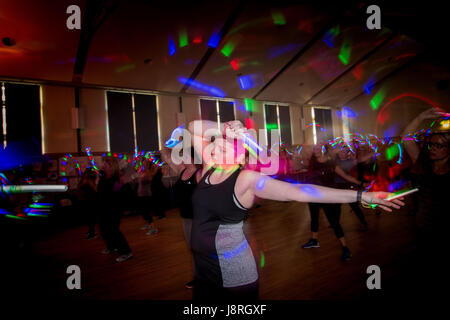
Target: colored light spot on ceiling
183, 38
214, 40
330, 35
172, 48
249, 104
271, 126
377, 99
234, 64
246, 82
278, 18
344, 55
369, 85
358, 72
197, 39
445, 124
228, 48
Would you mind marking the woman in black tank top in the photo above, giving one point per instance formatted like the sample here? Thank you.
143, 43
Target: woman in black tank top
224, 265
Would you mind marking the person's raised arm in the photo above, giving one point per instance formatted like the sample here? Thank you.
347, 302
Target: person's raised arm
411, 146
255, 184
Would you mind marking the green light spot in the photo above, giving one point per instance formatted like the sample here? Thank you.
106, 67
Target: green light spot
183, 38
391, 152
271, 126
228, 48
278, 18
377, 99
344, 55
262, 260
249, 104
109, 154
335, 31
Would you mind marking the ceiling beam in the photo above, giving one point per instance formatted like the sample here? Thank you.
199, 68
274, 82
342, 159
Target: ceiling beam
222, 33
95, 14
354, 65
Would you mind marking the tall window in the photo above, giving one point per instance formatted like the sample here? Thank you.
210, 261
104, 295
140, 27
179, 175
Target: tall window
322, 124
217, 110
132, 121
277, 117
21, 120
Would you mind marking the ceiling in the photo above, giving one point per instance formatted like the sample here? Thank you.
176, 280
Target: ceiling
274, 51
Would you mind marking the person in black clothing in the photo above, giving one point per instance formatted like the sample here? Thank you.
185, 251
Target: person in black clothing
88, 200
111, 210
431, 174
224, 264
322, 173
188, 173
160, 194
345, 162
145, 199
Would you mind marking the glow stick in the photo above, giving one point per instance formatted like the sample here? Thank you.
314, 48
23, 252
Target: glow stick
34, 188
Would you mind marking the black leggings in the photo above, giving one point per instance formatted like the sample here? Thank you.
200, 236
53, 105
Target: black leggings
333, 214
145, 208
204, 291
359, 213
114, 239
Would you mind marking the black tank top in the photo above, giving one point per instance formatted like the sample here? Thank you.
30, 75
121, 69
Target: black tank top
222, 254
183, 193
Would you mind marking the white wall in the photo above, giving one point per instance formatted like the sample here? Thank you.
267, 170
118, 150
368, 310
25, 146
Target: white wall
93, 119
57, 104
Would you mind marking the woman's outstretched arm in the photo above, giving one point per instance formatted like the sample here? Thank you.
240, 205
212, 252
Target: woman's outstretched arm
251, 184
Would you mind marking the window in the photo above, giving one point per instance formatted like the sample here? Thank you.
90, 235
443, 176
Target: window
217, 110
21, 120
322, 124
277, 117
132, 122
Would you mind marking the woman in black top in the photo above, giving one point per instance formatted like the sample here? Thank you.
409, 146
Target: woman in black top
431, 175
224, 264
111, 206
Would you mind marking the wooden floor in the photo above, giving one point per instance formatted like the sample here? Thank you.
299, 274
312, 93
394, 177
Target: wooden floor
162, 263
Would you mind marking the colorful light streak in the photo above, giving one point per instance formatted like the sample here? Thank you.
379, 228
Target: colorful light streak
202, 87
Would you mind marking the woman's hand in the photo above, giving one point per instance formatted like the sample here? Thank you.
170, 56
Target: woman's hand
234, 129
377, 199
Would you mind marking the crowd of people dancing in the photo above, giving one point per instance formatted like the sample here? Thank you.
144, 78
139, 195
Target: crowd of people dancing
214, 197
